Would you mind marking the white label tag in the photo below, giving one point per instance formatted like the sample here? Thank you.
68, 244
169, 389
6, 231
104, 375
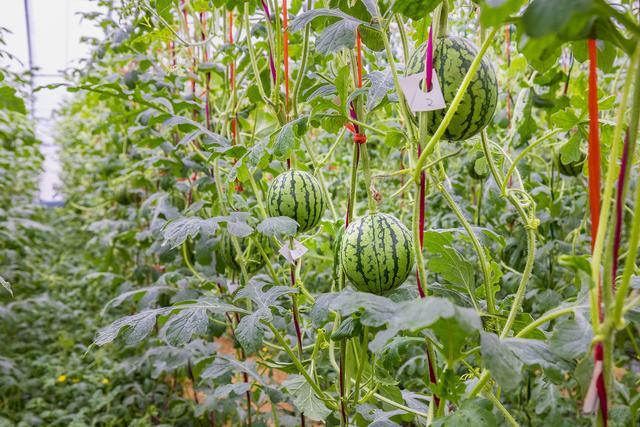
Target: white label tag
295, 253
417, 98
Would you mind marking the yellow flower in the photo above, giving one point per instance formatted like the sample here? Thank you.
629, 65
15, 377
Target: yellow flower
75, 380
105, 381
62, 378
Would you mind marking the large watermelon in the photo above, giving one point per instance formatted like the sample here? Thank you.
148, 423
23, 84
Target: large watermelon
452, 59
377, 253
252, 257
298, 195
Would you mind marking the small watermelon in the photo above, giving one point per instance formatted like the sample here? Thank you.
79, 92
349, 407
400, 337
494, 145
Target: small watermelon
452, 60
377, 253
252, 258
298, 195
573, 168
478, 168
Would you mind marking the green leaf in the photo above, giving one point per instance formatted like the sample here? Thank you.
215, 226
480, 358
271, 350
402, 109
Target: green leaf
9, 101
381, 82
377, 417
302, 20
340, 35
375, 310
470, 414
176, 232
286, 138
450, 323
181, 327
571, 337
565, 119
545, 17
278, 226
6, 285
570, 151
495, 12
305, 399
223, 365
503, 364
444, 259
250, 330
416, 9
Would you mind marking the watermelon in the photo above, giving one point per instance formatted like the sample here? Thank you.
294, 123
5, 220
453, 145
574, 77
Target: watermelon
478, 168
377, 253
452, 59
252, 257
298, 195
572, 168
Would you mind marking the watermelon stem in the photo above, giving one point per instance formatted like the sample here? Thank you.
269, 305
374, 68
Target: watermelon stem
482, 258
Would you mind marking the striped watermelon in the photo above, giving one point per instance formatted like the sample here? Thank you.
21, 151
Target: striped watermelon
573, 168
377, 253
252, 258
298, 195
452, 59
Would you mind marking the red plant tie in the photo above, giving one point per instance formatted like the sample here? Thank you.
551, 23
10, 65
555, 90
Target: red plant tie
594, 204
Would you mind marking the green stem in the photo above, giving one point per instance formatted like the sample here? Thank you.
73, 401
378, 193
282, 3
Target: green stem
505, 413
252, 56
316, 388
361, 361
482, 257
523, 153
609, 184
544, 319
303, 64
318, 169
185, 256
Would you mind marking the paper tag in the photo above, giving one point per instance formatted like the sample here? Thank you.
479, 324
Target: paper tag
417, 98
295, 253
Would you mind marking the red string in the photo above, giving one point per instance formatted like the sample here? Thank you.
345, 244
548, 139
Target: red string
594, 204
205, 55
422, 197
358, 137
428, 69
507, 36
619, 209
428, 80
232, 78
285, 21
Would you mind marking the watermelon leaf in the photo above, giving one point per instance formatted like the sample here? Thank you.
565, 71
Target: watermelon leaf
5, 285
471, 413
305, 398
278, 226
495, 12
9, 100
339, 35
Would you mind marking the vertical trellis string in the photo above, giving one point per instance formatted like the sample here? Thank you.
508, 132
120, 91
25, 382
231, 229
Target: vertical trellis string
428, 69
358, 137
422, 198
619, 209
594, 205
